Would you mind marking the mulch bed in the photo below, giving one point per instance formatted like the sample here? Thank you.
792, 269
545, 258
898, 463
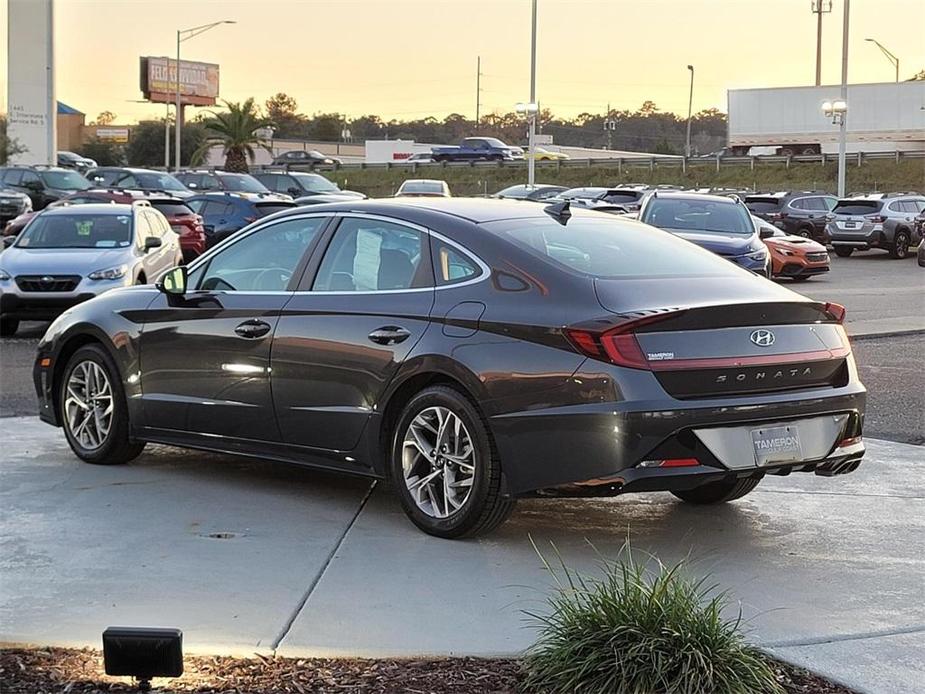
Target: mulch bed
69, 671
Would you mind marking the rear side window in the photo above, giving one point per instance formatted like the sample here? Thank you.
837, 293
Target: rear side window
762, 204
452, 266
857, 206
611, 248
369, 255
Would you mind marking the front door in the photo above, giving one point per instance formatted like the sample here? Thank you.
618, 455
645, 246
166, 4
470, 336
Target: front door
205, 356
343, 336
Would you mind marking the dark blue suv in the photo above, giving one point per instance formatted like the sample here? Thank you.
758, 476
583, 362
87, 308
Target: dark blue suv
225, 213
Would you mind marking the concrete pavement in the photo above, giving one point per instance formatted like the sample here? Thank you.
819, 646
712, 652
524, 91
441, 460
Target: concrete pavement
248, 556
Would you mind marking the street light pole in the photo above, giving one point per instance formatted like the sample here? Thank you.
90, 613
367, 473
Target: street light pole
690, 104
531, 145
185, 35
843, 126
892, 58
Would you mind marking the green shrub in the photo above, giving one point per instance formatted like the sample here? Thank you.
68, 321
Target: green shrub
637, 630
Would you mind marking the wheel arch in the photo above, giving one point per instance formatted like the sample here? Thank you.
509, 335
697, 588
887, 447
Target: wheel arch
80, 336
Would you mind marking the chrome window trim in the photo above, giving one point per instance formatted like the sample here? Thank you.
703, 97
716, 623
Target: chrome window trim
485, 274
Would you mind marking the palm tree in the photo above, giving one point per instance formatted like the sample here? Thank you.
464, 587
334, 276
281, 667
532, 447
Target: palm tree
236, 131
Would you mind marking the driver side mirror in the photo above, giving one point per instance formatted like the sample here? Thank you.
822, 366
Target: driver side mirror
8, 241
152, 242
765, 233
173, 282
295, 192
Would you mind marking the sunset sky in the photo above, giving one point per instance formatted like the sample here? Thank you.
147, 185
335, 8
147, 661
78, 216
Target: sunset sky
413, 58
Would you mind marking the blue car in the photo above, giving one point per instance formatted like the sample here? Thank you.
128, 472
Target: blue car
225, 213
717, 223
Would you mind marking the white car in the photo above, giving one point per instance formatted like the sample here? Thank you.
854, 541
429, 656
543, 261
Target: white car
423, 187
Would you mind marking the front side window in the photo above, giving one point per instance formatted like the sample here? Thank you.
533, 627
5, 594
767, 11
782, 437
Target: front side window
12, 176
77, 231
368, 255
708, 216
263, 261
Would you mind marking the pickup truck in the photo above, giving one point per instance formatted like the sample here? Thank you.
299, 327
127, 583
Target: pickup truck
478, 149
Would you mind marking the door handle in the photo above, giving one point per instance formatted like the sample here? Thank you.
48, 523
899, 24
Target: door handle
252, 329
389, 335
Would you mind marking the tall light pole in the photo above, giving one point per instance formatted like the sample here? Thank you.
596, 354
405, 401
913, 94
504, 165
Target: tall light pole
186, 35
843, 131
478, 90
690, 105
531, 145
892, 58
820, 7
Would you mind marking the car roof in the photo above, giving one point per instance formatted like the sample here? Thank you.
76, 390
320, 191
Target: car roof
702, 197
90, 209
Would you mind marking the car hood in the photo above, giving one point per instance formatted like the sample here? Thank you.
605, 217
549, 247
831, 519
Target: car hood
61, 261
723, 244
795, 243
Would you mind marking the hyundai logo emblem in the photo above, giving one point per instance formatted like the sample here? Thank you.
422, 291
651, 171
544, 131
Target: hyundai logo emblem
762, 338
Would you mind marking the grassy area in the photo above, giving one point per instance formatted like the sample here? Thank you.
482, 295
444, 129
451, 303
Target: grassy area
874, 175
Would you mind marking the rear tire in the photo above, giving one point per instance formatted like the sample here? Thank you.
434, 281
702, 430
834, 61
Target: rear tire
843, 252
719, 492
900, 249
8, 327
79, 393
484, 508
806, 233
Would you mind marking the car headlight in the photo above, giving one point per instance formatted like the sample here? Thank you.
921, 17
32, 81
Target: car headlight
4, 276
757, 255
784, 251
112, 273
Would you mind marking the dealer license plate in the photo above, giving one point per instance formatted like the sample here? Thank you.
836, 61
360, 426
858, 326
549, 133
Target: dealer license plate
777, 445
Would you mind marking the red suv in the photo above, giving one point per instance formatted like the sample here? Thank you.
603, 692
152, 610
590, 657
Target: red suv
185, 222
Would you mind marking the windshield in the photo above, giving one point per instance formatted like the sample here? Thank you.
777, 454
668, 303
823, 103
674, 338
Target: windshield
77, 231
422, 187
315, 183
64, 180
611, 249
158, 181
244, 183
857, 206
706, 216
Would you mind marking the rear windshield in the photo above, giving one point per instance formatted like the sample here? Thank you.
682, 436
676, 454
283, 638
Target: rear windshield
171, 209
244, 183
707, 216
623, 196
267, 208
857, 206
77, 231
611, 248
583, 192
422, 187
763, 204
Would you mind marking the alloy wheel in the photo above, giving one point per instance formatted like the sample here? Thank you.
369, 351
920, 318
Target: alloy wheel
438, 462
88, 405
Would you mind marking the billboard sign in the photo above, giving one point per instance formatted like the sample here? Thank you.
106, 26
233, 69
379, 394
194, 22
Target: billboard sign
198, 81
117, 135
32, 118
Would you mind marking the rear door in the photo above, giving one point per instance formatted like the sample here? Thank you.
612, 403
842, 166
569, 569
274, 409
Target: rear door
352, 323
205, 356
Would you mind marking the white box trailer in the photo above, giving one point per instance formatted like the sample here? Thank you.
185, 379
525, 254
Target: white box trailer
883, 117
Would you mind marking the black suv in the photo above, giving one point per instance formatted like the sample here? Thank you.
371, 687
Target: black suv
43, 184
803, 213
211, 181
225, 213
299, 184
137, 179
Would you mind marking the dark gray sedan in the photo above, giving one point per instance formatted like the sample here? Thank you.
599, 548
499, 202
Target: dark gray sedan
469, 351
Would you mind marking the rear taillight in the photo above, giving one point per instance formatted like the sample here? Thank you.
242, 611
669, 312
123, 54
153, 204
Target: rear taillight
619, 344
670, 462
775, 215
875, 218
837, 311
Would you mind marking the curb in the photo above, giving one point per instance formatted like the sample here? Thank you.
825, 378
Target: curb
889, 333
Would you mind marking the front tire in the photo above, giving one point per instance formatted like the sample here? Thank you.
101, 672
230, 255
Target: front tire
8, 327
444, 466
900, 249
719, 492
93, 409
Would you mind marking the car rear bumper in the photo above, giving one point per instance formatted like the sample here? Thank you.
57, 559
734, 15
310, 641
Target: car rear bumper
596, 449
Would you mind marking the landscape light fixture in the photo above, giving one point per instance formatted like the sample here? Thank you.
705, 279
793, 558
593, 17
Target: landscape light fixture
527, 109
835, 110
143, 653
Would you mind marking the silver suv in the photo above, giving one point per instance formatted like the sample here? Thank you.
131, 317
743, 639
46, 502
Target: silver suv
69, 254
880, 220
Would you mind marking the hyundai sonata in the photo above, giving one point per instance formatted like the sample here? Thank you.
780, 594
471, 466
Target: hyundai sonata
468, 351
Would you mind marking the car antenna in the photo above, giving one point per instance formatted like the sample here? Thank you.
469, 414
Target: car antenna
559, 211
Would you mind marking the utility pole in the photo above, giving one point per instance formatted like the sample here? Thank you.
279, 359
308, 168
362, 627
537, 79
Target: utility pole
843, 132
478, 90
820, 7
531, 164
889, 56
690, 106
